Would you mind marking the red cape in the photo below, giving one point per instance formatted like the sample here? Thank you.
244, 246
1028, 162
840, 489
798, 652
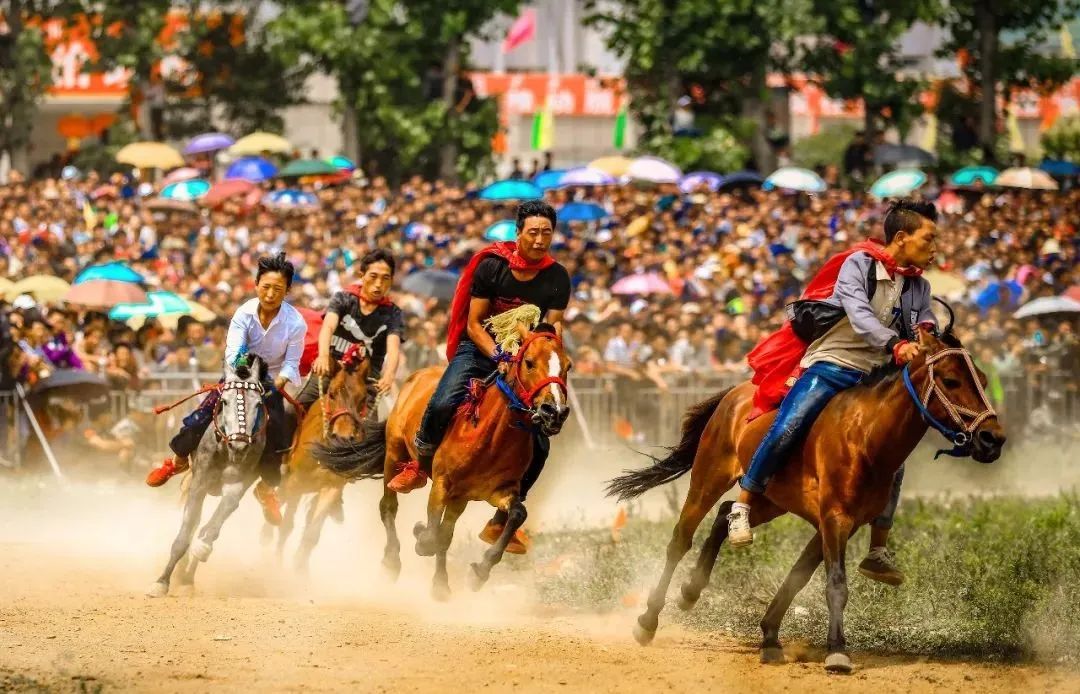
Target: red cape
776, 358
459, 307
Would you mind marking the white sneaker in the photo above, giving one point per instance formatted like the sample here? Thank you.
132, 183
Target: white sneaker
739, 533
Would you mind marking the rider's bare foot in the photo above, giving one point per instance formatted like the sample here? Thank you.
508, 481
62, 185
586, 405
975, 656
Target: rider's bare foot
408, 478
739, 532
169, 467
268, 499
519, 543
880, 565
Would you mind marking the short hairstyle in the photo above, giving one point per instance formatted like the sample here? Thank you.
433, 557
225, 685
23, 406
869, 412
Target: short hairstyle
277, 263
907, 216
534, 208
377, 256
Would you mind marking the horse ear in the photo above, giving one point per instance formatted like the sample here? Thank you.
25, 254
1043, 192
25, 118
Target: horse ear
927, 339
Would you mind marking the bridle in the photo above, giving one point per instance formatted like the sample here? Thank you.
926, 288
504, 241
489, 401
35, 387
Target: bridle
965, 420
353, 357
521, 399
243, 387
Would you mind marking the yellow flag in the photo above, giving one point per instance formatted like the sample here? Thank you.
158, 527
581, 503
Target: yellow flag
929, 136
89, 216
1067, 48
1012, 126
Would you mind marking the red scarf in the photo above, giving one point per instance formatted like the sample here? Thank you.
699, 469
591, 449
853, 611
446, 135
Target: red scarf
358, 291
776, 358
459, 307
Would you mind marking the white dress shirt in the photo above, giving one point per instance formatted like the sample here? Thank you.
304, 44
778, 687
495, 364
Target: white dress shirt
280, 345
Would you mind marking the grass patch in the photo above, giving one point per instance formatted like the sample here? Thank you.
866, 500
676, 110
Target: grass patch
995, 578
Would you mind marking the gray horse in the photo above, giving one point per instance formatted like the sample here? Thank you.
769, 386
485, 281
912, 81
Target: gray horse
226, 463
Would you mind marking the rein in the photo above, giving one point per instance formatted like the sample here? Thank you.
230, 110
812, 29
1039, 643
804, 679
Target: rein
526, 396
353, 356
961, 436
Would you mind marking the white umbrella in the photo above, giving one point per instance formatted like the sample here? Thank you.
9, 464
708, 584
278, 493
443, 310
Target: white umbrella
1026, 177
1047, 305
794, 178
654, 169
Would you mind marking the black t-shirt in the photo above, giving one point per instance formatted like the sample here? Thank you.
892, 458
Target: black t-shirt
549, 290
371, 329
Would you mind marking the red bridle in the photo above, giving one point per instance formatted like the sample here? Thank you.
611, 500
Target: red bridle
528, 395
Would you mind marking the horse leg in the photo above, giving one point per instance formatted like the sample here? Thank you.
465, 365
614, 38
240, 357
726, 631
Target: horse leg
388, 507
328, 497
515, 518
836, 528
427, 535
699, 577
232, 490
192, 512
797, 578
440, 584
289, 506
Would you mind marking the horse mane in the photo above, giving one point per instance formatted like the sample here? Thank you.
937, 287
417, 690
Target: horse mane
545, 328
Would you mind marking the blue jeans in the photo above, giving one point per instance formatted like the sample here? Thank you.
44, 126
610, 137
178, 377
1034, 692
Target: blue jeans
800, 408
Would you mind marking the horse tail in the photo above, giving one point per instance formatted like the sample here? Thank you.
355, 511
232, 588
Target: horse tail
352, 459
680, 458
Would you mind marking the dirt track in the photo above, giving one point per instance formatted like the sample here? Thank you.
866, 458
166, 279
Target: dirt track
74, 565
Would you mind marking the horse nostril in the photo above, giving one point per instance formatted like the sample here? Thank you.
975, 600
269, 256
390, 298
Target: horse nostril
549, 411
990, 440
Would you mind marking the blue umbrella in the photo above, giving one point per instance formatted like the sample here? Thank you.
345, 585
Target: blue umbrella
511, 190
742, 178
254, 169
581, 212
115, 271
506, 230
289, 198
695, 179
586, 176
548, 179
186, 190
159, 303
1059, 167
897, 184
968, 175
342, 162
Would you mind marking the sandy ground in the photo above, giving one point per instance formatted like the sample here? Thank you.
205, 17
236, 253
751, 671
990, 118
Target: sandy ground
76, 558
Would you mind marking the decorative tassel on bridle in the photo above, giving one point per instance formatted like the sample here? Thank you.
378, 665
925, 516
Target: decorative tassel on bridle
470, 408
505, 326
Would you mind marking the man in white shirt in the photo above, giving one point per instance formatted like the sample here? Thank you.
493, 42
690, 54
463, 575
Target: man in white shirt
274, 330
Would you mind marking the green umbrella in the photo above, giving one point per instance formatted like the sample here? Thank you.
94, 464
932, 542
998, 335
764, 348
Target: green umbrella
897, 184
968, 175
307, 167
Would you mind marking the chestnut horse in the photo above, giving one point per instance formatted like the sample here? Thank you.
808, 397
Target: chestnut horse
839, 480
337, 414
483, 456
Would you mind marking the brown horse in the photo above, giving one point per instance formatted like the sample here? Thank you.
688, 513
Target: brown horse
482, 457
839, 480
337, 415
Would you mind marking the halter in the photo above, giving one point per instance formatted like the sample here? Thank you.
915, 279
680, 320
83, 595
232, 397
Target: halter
521, 400
355, 355
241, 411
960, 437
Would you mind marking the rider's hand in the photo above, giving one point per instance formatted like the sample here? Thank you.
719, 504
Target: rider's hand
321, 365
907, 351
504, 367
385, 383
280, 382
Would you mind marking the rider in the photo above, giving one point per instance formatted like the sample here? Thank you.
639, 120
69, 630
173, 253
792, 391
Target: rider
499, 278
273, 330
882, 297
361, 313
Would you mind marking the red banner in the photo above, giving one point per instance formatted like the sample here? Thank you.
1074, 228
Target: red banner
570, 95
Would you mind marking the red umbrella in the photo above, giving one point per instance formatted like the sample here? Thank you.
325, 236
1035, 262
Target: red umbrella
1073, 292
647, 283
223, 190
105, 294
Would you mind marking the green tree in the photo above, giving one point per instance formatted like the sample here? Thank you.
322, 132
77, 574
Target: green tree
25, 77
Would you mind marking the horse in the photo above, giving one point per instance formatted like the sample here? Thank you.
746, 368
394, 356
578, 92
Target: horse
838, 480
337, 415
226, 463
483, 456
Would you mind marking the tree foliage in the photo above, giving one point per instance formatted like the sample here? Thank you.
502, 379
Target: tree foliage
25, 77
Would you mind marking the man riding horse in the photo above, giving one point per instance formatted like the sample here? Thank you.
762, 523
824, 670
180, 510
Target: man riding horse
499, 278
274, 330
877, 297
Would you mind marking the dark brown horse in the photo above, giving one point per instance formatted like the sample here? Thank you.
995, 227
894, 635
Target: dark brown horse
838, 481
483, 456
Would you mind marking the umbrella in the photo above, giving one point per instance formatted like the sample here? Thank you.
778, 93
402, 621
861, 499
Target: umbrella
186, 190
259, 142
104, 293
548, 179
251, 168
1026, 177
150, 155
1047, 305
290, 199
1073, 292
585, 176
208, 142
1059, 167
969, 175
184, 173
45, 288
223, 190
615, 166
511, 190
156, 304
307, 167
342, 163
439, 284
167, 205
943, 283
581, 212
902, 155
897, 184
794, 178
742, 178
115, 271
645, 283
171, 319
70, 383
695, 180
506, 230
654, 170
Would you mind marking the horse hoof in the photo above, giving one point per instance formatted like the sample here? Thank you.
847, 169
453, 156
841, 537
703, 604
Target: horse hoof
687, 599
772, 655
418, 529
839, 663
157, 590
440, 592
424, 548
478, 577
183, 590
642, 635
200, 549
391, 568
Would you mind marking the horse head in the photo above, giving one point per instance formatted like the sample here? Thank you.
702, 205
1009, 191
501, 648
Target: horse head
348, 386
539, 371
951, 392
240, 414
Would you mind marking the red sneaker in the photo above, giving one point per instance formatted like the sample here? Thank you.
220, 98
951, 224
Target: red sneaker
408, 478
519, 543
160, 475
270, 505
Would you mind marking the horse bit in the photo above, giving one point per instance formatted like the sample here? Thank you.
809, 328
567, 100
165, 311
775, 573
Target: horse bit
962, 436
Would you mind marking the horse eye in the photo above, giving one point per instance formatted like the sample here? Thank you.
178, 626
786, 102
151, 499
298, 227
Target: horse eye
530, 363
950, 383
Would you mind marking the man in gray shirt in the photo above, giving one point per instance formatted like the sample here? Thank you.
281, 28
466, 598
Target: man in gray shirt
877, 302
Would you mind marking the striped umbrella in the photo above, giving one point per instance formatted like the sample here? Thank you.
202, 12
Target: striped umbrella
897, 184
186, 190
794, 178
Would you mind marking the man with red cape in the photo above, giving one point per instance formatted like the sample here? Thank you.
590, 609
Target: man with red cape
858, 313
499, 278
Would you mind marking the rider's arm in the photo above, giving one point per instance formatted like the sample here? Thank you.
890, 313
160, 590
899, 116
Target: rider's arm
393, 355
921, 303
330, 324
290, 369
478, 311
854, 298
236, 337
